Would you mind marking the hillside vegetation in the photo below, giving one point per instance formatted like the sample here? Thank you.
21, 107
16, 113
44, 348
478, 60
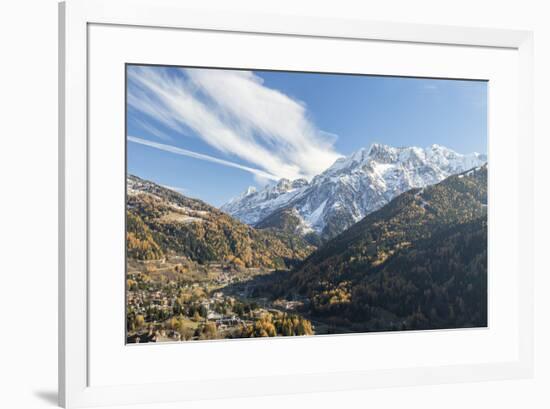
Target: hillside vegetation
161, 221
418, 262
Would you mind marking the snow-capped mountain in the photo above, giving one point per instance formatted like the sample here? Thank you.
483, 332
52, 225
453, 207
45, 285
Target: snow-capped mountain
352, 187
252, 205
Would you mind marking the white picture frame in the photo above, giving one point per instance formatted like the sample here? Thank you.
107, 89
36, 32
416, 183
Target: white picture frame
76, 17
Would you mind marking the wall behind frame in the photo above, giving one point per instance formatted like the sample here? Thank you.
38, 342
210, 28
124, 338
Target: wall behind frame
28, 202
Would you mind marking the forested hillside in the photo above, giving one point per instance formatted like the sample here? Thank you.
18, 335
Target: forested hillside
418, 262
161, 221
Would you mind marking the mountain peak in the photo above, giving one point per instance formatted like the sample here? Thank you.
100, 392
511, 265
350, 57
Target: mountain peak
383, 153
283, 184
379, 147
249, 191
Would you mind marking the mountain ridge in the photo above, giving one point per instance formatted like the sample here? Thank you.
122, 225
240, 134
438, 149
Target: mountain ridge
351, 188
161, 221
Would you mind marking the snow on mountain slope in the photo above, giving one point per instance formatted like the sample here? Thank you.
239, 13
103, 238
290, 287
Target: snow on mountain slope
252, 206
353, 186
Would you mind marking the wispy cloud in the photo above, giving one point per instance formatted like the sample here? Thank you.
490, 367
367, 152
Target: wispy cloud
176, 189
235, 113
191, 154
152, 130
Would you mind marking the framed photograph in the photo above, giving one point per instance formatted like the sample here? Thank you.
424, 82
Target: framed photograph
259, 204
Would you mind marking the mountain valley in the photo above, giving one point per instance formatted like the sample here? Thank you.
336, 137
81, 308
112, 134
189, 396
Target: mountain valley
385, 239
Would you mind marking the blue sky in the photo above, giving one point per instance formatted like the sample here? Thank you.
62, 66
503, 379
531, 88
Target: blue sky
211, 133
